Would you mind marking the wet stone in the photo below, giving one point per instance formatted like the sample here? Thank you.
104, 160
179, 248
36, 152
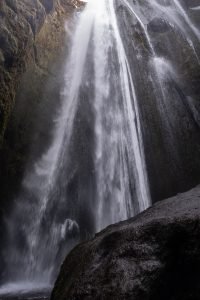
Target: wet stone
158, 25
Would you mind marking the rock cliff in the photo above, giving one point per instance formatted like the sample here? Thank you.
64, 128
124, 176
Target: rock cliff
32, 45
31, 32
170, 126
154, 256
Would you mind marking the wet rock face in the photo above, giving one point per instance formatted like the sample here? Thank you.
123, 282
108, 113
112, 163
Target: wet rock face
158, 25
190, 4
163, 50
153, 256
48, 4
32, 40
12, 38
21, 22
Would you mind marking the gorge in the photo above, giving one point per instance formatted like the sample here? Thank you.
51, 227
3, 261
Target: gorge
105, 123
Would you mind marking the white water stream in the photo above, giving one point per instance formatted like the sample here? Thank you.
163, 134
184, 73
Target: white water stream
98, 75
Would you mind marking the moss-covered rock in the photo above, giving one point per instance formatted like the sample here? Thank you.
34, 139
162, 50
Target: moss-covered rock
30, 31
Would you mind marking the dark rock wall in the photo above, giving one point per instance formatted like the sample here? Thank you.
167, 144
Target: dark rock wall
30, 32
171, 127
32, 42
33, 45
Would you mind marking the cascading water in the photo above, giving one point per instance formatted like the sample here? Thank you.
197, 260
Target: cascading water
98, 63
94, 172
119, 151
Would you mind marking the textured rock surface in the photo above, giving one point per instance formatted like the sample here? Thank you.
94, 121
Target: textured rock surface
30, 32
153, 256
171, 127
32, 43
32, 46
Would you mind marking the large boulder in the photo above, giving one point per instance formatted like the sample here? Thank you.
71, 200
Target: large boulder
155, 255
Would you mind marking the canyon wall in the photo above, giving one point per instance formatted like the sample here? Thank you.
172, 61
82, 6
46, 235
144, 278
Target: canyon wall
33, 42
31, 32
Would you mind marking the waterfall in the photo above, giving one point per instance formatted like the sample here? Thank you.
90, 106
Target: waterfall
119, 146
94, 172
47, 220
